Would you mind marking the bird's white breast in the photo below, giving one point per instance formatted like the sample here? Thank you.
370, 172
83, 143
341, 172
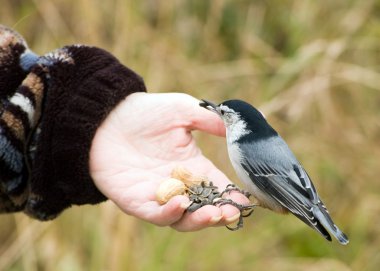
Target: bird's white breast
235, 155
264, 200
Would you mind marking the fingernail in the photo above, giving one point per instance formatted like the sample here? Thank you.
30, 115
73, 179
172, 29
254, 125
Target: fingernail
185, 205
216, 219
233, 218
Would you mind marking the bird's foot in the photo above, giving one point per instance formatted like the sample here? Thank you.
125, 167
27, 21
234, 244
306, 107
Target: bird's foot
245, 211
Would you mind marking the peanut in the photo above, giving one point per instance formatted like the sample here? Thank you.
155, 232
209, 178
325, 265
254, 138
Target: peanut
169, 188
188, 178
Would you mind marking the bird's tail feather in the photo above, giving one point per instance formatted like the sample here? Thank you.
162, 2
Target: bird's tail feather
324, 218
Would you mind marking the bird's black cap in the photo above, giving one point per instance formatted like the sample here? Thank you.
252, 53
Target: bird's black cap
254, 119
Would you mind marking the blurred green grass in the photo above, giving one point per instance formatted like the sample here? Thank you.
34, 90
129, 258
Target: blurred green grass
312, 67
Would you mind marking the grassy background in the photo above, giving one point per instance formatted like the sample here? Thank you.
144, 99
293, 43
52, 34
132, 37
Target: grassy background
313, 67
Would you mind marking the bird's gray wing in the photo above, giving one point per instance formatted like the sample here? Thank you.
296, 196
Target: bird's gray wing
292, 189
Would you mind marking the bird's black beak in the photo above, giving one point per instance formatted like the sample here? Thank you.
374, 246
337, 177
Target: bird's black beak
209, 105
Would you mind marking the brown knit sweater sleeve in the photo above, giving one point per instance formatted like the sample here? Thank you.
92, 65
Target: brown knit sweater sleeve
83, 85
50, 109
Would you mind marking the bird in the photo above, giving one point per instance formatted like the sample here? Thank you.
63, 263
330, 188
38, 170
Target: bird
269, 169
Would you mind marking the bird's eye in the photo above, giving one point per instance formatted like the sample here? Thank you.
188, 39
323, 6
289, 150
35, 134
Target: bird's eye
222, 112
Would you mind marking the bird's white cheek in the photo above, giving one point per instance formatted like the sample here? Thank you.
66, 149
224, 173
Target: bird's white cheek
235, 130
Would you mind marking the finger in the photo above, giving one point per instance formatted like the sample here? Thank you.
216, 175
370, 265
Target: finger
167, 214
204, 217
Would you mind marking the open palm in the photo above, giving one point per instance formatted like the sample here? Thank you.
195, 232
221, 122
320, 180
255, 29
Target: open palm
140, 143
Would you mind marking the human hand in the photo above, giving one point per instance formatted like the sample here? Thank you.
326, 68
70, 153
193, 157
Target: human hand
139, 144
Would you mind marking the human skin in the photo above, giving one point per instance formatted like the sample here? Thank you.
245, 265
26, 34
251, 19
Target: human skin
139, 144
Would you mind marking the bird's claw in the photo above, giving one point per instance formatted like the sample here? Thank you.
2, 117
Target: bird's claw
245, 211
233, 187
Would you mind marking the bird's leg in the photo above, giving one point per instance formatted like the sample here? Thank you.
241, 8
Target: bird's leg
233, 187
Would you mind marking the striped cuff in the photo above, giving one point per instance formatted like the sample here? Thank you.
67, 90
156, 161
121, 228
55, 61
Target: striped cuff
18, 108
18, 118
15, 61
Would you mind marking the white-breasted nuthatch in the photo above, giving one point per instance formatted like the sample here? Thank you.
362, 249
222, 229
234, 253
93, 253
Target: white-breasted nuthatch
269, 169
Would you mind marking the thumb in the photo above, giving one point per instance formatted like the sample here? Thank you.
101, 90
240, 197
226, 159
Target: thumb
207, 121
203, 119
